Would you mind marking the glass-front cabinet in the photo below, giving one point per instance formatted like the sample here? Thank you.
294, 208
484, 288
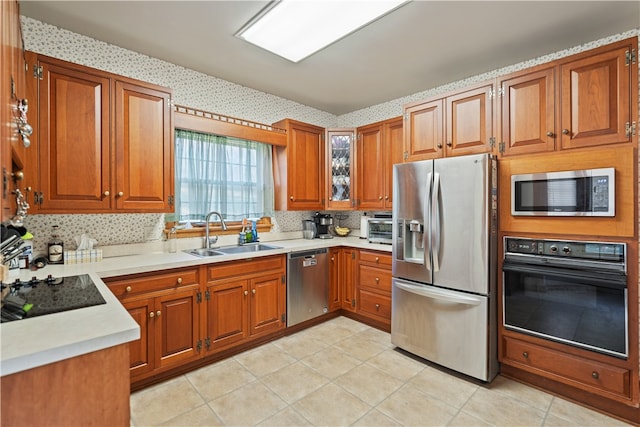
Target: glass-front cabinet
340, 159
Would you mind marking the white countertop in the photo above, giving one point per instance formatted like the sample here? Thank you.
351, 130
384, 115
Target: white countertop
38, 341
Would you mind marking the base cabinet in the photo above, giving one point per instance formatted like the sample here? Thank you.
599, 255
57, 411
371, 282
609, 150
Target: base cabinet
244, 300
374, 286
167, 308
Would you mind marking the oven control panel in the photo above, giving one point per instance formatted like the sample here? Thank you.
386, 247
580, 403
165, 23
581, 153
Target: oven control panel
604, 251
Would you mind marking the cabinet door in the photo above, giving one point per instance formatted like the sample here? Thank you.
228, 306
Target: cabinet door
334, 279
306, 164
141, 350
392, 147
227, 316
177, 321
144, 148
527, 112
340, 161
469, 117
370, 167
595, 94
74, 138
348, 268
423, 131
267, 304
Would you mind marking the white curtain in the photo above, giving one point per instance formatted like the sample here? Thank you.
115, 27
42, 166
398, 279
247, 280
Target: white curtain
218, 173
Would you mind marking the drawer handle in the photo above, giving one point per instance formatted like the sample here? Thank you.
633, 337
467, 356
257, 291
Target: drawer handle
179, 280
525, 354
127, 289
377, 280
377, 307
151, 314
595, 375
377, 259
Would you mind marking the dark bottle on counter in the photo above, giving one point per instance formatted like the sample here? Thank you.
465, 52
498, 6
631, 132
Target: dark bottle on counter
56, 247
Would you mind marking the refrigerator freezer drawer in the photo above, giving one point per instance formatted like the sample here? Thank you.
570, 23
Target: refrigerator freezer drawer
446, 327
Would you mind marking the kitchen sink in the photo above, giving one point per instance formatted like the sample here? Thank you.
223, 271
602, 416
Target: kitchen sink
229, 250
246, 248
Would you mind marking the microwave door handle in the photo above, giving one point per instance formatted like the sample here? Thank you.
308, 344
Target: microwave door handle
426, 234
435, 222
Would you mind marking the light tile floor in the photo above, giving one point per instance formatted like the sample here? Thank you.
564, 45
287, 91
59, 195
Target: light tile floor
343, 372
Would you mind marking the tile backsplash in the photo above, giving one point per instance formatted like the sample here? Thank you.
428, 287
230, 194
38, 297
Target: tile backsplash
197, 90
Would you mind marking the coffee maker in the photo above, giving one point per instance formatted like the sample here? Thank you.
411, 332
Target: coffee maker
323, 221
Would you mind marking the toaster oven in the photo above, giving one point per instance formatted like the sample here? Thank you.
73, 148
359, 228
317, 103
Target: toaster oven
380, 230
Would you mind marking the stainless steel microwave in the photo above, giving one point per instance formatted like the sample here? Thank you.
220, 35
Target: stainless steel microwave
588, 192
380, 230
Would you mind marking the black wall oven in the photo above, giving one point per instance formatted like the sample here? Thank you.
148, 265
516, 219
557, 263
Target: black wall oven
573, 292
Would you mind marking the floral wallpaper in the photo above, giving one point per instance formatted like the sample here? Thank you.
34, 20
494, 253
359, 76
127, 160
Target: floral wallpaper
197, 90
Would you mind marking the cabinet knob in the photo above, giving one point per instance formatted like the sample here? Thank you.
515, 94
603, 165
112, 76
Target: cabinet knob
449, 144
330, 198
246, 293
379, 197
179, 280
595, 375
28, 188
551, 134
18, 176
158, 313
525, 354
127, 289
377, 280
377, 307
439, 145
333, 259
386, 197
291, 198
378, 259
253, 291
120, 193
106, 194
565, 131
151, 314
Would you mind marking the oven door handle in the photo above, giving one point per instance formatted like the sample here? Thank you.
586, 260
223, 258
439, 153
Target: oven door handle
614, 281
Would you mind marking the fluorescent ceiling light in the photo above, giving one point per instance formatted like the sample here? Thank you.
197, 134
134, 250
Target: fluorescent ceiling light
295, 29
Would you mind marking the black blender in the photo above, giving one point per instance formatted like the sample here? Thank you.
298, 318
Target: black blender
323, 221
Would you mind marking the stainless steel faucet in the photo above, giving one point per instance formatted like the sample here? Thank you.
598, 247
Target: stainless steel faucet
207, 242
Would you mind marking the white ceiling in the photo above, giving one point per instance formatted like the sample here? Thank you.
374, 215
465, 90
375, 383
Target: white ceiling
419, 46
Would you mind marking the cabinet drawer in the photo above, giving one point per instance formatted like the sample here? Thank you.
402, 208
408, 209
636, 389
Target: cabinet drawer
375, 304
376, 258
377, 278
252, 266
554, 364
127, 286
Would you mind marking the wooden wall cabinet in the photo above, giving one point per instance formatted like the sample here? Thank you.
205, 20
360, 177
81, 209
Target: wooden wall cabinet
341, 167
378, 148
299, 168
105, 141
166, 305
374, 286
585, 100
244, 300
457, 124
12, 90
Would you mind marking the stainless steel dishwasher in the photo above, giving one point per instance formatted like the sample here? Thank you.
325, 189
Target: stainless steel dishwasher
307, 285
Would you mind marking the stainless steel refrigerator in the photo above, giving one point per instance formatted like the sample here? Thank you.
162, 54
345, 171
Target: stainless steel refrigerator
444, 262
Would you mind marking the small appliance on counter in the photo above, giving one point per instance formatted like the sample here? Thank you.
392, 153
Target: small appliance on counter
323, 222
309, 229
379, 229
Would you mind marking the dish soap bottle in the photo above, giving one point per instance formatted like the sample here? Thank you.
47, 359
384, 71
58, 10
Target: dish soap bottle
56, 247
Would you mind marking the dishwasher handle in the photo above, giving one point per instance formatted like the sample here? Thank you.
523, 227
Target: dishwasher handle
306, 254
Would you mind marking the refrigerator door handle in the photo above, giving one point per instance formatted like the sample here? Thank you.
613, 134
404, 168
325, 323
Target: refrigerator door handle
426, 235
439, 294
435, 222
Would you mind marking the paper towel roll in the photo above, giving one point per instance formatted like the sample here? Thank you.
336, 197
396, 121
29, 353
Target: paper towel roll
364, 227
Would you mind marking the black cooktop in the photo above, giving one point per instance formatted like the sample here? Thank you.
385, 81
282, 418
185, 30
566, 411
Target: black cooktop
36, 297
